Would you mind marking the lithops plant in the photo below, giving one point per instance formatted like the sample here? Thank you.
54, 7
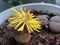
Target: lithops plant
44, 19
54, 23
25, 23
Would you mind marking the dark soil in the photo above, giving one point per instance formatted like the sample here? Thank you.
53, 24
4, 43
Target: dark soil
43, 38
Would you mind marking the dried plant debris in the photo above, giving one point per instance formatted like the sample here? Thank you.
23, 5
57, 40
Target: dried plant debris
43, 38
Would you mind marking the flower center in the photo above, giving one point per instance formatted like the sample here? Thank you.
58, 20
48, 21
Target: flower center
28, 16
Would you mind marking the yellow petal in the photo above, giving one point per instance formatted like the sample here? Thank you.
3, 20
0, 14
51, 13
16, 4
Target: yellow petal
15, 21
18, 25
21, 28
29, 11
36, 19
13, 8
11, 19
14, 15
28, 28
37, 30
34, 22
22, 12
33, 26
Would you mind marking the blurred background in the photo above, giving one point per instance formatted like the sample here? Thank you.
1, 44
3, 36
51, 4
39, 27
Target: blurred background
5, 4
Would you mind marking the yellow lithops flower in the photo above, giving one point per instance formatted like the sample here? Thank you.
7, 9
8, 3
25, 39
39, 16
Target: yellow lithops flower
20, 19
